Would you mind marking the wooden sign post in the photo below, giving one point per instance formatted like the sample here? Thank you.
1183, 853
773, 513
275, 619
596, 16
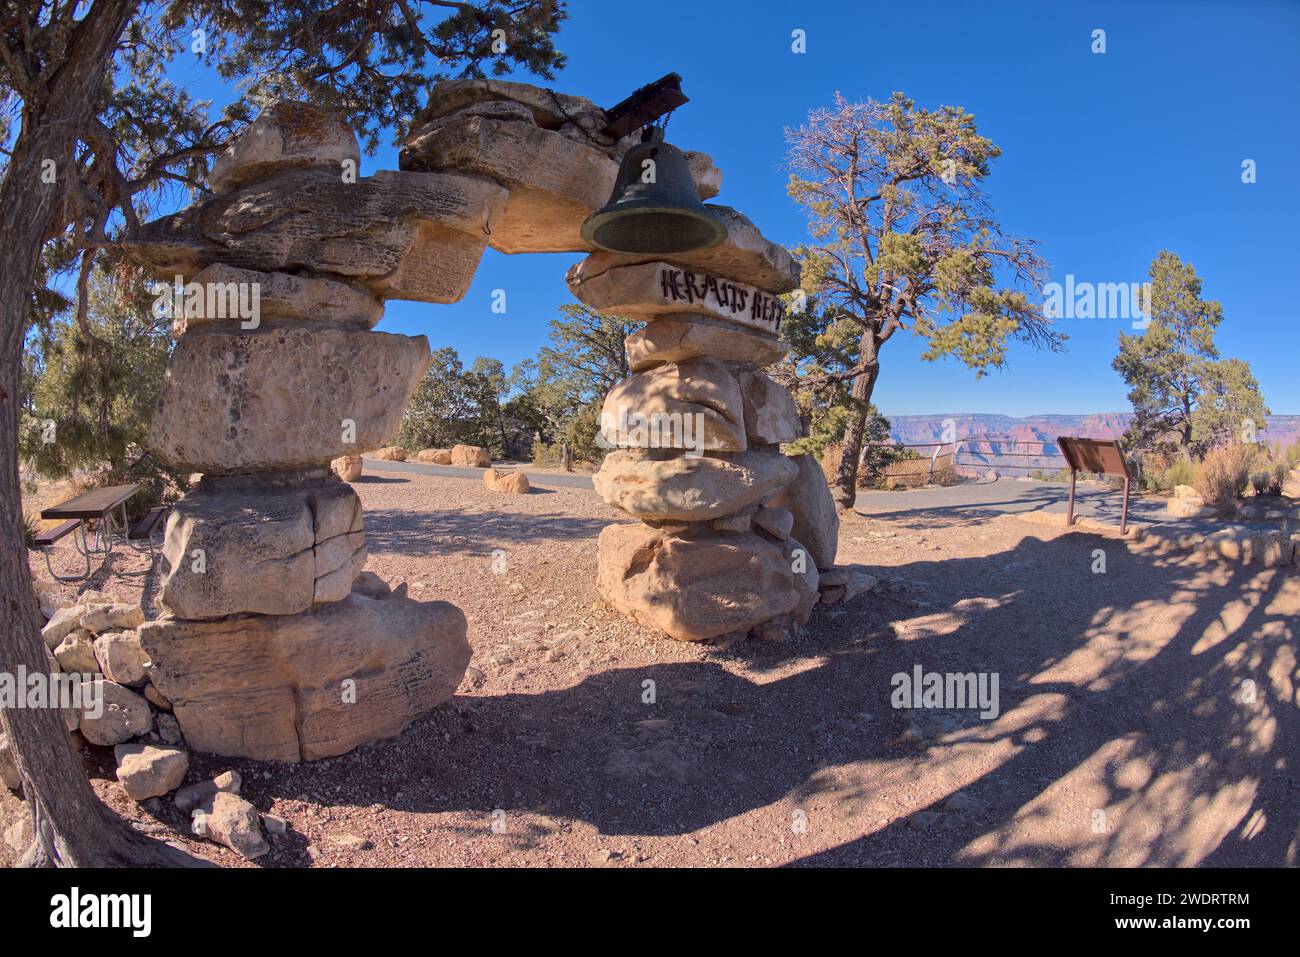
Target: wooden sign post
1096, 455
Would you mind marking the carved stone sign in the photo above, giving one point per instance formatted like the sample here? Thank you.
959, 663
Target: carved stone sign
649, 290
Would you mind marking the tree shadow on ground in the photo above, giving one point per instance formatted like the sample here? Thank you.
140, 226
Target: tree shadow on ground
1121, 693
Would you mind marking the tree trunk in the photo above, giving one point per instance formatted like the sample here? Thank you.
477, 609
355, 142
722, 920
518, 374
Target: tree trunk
72, 827
845, 488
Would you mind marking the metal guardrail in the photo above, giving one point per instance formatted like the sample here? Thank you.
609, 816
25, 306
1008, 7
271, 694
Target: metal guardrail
972, 444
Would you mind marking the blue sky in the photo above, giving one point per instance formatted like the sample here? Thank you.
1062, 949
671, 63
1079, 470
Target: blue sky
1107, 159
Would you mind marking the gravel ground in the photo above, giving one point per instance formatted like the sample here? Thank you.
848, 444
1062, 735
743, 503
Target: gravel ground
1129, 730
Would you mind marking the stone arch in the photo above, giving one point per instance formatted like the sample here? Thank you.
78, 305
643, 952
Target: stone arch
279, 647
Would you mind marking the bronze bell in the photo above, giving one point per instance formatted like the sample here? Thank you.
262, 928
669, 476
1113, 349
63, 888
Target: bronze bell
663, 216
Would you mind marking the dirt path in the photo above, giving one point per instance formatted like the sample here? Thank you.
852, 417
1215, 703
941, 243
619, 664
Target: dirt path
1125, 735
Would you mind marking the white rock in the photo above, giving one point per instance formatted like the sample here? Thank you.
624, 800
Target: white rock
192, 795
232, 821
63, 622
98, 618
123, 715
76, 654
121, 658
146, 771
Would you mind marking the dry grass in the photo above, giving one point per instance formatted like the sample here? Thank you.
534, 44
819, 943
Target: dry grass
1224, 474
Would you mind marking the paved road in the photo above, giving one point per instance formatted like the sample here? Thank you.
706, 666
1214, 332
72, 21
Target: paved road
999, 497
1009, 496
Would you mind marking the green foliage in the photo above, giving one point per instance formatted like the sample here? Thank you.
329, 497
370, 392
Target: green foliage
145, 145
542, 404
454, 405
31, 528
369, 62
1181, 472
1184, 395
904, 238
90, 392
586, 357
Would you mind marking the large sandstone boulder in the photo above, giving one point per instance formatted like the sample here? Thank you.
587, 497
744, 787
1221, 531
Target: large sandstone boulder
471, 456
1188, 506
548, 109
347, 467
676, 338
697, 589
275, 552
695, 404
105, 616
808, 498
690, 489
280, 398
656, 289
279, 296
806, 579
390, 453
314, 685
401, 235
745, 256
511, 482
555, 182
62, 623
771, 416
286, 136
434, 456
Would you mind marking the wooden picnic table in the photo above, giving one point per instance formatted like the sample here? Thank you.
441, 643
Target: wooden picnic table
98, 505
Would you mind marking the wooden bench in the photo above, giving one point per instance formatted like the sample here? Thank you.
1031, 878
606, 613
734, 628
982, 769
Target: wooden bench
51, 535
46, 539
148, 524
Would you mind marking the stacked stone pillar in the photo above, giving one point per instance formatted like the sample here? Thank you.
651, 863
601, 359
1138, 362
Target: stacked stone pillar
274, 646
732, 531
